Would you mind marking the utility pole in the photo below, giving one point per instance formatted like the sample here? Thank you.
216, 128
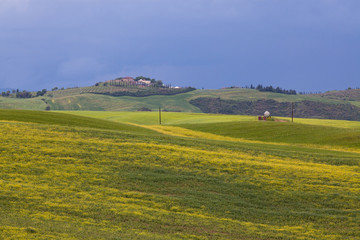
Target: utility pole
159, 115
292, 112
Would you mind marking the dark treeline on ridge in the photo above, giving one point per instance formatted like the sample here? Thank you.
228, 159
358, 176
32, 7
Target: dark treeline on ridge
270, 88
17, 93
23, 94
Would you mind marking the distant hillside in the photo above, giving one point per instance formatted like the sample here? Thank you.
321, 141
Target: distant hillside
304, 109
346, 95
332, 105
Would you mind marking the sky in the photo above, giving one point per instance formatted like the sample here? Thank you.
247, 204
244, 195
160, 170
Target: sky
306, 45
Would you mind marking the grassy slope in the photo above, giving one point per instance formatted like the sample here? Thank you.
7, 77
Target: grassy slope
16, 103
174, 118
63, 181
284, 133
349, 94
63, 119
74, 99
168, 118
109, 103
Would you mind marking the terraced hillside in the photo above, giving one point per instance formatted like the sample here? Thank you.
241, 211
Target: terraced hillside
74, 177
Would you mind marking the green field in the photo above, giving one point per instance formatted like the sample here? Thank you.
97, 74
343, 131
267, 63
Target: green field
124, 103
280, 132
167, 118
83, 99
17, 103
175, 118
119, 175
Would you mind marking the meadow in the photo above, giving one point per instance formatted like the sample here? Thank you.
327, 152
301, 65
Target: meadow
108, 175
18, 103
83, 98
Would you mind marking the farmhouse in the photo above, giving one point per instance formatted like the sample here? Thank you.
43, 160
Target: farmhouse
144, 82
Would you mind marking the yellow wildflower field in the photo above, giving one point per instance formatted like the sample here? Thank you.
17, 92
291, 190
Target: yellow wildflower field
66, 182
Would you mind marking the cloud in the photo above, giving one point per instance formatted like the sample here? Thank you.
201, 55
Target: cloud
80, 66
13, 6
180, 75
182, 41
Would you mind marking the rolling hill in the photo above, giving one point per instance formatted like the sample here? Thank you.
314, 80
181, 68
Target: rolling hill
331, 105
199, 176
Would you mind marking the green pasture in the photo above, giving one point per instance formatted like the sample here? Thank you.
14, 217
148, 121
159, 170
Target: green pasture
244, 94
54, 118
175, 118
325, 122
17, 103
108, 103
302, 131
283, 132
66, 176
167, 118
75, 99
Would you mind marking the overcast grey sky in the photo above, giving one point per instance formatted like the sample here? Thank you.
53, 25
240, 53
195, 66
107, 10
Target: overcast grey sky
307, 45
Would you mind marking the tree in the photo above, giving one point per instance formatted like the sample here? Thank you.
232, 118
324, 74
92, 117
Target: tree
23, 94
41, 93
158, 83
5, 94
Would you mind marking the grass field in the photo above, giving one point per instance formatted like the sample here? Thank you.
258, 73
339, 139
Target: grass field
175, 118
109, 103
17, 103
280, 132
82, 99
65, 176
174, 103
167, 118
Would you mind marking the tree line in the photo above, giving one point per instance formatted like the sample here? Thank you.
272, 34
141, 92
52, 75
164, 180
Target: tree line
23, 94
270, 88
27, 94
